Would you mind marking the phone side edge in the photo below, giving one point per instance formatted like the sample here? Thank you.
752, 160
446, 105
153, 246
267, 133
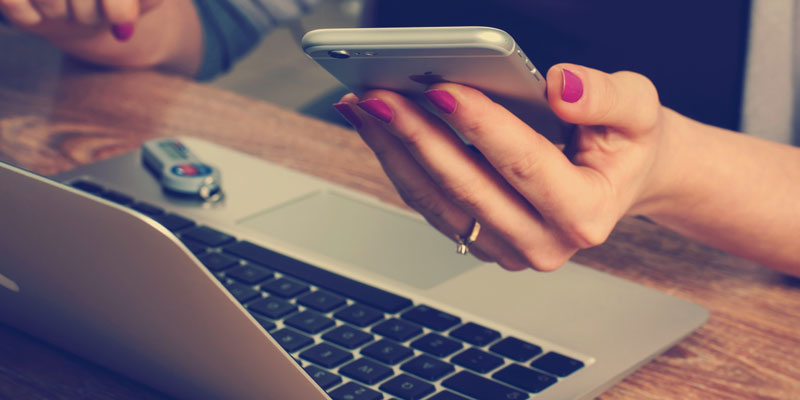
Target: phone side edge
430, 37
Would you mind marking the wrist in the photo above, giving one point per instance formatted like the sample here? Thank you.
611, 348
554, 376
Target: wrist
676, 151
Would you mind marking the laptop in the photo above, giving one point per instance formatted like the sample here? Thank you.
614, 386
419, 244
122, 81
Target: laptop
292, 287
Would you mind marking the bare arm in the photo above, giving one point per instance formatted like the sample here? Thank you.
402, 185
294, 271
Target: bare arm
733, 191
167, 33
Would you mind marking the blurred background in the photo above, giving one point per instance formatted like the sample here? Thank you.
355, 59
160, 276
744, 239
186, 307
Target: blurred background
279, 72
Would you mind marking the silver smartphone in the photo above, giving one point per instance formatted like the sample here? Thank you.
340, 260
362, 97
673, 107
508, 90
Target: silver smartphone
408, 60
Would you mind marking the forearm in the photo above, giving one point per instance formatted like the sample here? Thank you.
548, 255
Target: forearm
167, 37
732, 191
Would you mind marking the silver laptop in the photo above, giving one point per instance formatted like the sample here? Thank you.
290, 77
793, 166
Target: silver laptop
295, 288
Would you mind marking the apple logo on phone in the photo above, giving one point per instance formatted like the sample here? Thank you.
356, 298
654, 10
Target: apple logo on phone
428, 78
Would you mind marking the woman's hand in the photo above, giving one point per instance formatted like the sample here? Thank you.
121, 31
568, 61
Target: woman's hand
117, 33
54, 18
537, 204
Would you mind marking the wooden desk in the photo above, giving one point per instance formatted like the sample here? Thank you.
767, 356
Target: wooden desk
55, 116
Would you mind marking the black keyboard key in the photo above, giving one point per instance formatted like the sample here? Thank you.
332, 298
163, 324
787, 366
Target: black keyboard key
241, 292
354, 391
407, 387
309, 321
216, 262
476, 386
358, 291
477, 360
397, 329
437, 345
147, 209
431, 318
347, 336
366, 371
447, 395
515, 349
249, 273
359, 315
326, 355
291, 340
324, 379
267, 323
557, 364
89, 187
427, 367
387, 351
285, 287
194, 247
272, 307
117, 197
322, 301
209, 237
174, 222
524, 378
473, 333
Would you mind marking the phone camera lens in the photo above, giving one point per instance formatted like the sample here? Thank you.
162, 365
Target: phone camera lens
339, 54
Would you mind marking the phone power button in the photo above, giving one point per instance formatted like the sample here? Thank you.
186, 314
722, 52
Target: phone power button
530, 66
532, 69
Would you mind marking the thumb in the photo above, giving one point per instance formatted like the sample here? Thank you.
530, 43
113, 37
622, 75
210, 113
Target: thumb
623, 100
119, 12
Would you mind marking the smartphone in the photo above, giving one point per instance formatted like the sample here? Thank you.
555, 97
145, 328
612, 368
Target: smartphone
408, 60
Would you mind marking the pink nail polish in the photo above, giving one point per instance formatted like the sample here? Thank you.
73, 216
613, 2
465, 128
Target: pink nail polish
571, 86
377, 109
442, 99
122, 32
348, 114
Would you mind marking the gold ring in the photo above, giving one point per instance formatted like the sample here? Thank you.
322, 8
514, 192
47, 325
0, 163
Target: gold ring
463, 244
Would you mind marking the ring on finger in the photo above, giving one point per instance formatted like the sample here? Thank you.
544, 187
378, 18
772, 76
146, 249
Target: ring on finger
463, 243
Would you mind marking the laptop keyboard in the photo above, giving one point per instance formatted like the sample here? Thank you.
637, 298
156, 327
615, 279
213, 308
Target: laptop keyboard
359, 342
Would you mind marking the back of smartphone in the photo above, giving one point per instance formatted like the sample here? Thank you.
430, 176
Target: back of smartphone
408, 60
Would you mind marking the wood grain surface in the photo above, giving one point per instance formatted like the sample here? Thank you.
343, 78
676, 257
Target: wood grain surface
56, 115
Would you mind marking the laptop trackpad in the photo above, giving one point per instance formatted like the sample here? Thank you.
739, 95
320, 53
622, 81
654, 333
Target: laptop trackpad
366, 236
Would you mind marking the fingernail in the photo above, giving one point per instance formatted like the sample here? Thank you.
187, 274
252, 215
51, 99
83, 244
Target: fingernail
571, 86
348, 114
122, 32
442, 99
377, 109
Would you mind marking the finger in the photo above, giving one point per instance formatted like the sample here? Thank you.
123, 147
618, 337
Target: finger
120, 12
466, 177
418, 190
535, 167
52, 9
86, 12
624, 100
20, 12
420, 193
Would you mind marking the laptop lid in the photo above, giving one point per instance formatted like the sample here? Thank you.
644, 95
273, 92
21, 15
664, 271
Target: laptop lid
113, 286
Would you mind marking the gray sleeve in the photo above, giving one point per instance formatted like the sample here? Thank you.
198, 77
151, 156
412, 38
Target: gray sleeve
231, 28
